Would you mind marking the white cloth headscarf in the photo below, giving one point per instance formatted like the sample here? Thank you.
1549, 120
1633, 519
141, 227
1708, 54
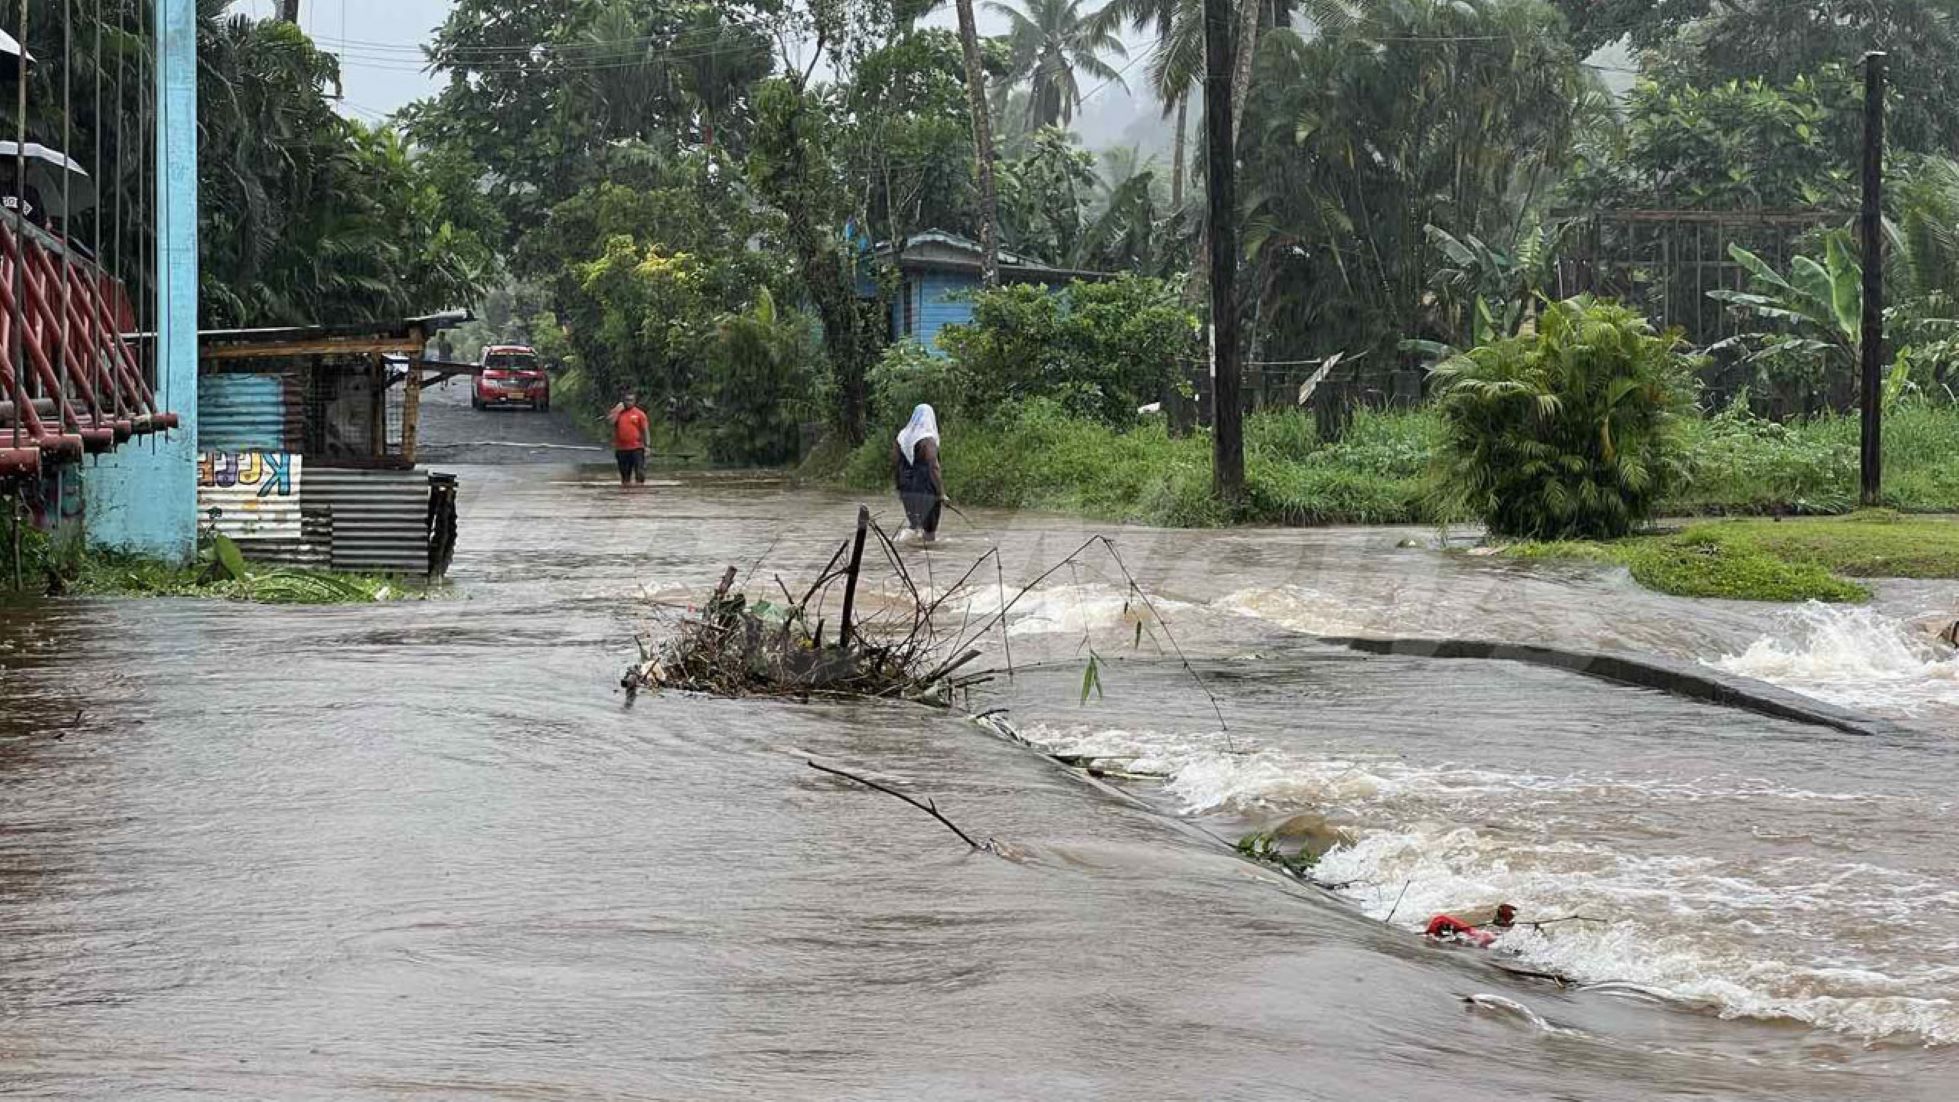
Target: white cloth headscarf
924, 425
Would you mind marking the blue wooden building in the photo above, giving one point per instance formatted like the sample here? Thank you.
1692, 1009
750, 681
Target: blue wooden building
937, 271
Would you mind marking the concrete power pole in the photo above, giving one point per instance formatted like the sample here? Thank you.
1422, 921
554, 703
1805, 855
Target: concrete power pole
1227, 428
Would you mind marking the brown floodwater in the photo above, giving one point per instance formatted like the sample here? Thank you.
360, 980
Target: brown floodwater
425, 849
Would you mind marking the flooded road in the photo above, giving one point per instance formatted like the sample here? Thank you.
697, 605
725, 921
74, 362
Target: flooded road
424, 850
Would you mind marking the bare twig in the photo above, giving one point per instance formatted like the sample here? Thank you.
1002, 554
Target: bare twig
1405, 884
1216, 708
928, 806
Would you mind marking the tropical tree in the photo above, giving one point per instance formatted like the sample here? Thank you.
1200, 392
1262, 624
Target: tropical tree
1043, 195
1360, 137
1777, 41
1175, 69
1052, 43
981, 125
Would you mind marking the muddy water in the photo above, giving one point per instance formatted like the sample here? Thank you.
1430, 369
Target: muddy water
422, 849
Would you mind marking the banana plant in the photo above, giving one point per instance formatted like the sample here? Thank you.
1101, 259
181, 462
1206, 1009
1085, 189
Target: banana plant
1489, 293
1814, 313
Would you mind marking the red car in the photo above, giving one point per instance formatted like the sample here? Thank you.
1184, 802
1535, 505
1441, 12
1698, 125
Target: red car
511, 376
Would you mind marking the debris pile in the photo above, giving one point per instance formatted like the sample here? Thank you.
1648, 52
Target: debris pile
738, 644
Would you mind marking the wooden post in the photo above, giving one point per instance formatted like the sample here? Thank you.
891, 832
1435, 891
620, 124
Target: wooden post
411, 399
1227, 432
377, 407
1872, 340
850, 586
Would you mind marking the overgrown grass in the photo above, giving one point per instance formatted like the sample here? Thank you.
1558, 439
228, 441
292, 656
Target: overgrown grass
119, 575
65, 568
1037, 458
1767, 560
1034, 457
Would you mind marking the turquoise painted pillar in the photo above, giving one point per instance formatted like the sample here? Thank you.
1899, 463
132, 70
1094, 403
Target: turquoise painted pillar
143, 497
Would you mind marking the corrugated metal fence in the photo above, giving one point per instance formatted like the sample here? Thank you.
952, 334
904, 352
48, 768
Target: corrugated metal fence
380, 517
255, 486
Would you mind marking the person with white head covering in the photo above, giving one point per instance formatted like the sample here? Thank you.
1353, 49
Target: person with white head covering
921, 486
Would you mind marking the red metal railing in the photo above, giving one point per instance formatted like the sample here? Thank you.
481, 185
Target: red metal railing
70, 384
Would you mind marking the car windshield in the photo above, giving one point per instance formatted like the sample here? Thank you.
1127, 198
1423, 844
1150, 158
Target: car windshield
511, 361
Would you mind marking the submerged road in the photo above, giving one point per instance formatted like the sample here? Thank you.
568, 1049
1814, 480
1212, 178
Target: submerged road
424, 849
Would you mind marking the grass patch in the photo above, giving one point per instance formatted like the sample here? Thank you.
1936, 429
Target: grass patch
102, 574
1872, 544
1766, 560
1035, 457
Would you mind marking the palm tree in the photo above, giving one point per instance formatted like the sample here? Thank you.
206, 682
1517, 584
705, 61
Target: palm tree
1049, 44
989, 213
1175, 68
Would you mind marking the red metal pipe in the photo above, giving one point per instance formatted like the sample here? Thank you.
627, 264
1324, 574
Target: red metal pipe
101, 436
19, 461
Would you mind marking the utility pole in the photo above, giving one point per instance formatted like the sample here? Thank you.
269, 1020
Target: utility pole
982, 147
1872, 340
289, 11
1227, 429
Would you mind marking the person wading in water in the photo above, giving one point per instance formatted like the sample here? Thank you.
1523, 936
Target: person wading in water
920, 484
630, 433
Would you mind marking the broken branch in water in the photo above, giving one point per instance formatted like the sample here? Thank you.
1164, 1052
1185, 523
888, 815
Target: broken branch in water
928, 806
1541, 923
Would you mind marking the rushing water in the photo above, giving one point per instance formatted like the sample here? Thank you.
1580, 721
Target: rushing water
424, 849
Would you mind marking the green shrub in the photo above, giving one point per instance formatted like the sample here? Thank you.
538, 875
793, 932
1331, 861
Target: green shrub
1569, 432
908, 375
762, 366
1099, 350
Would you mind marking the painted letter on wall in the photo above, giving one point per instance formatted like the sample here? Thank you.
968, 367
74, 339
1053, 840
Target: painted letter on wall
255, 495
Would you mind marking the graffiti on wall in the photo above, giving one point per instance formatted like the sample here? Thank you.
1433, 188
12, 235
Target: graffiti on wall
59, 505
250, 494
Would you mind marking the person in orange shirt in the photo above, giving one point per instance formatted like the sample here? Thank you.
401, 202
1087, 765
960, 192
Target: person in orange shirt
630, 432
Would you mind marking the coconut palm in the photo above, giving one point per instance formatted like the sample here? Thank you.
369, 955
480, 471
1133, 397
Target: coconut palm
1176, 65
1050, 45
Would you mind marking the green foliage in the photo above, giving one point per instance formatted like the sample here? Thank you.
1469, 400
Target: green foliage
1264, 849
1049, 42
1485, 293
1099, 349
224, 576
1035, 456
1781, 40
306, 217
1817, 312
1042, 194
909, 125
1569, 432
908, 376
1360, 135
761, 367
1693, 144
790, 166
1707, 561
